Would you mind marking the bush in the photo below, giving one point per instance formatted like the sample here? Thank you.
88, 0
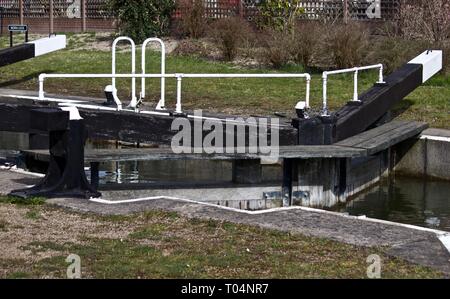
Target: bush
346, 44
305, 42
229, 33
393, 52
279, 15
193, 20
425, 19
276, 48
446, 53
140, 19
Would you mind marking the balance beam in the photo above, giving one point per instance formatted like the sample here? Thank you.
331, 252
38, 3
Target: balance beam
32, 49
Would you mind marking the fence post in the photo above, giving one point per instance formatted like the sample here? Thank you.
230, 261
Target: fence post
21, 12
83, 15
241, 9
50, 16
345, 8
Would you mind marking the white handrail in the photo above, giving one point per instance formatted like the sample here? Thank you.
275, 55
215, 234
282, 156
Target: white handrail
133, 101
179, 77
355, 70
161, 103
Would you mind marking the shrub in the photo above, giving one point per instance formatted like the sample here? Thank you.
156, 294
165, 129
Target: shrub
140, 19
446, 53
305, 41
346, 44
229, 34
193, 21
425, 19
279, 15
276, 48
393, 52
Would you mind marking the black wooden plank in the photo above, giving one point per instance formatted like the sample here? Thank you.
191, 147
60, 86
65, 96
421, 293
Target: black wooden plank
134, 154
375, 141
134, 127
373, 133
396, 137
116, 125
16, 54
399, 131
320, 151
392, 137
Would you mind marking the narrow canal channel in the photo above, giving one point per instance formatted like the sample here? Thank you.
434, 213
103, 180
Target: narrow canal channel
400, 199
405, 200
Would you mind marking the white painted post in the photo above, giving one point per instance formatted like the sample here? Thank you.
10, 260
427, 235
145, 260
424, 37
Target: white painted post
133, 101
161, 103
324, 94
178, 106
41, 87
308, 85
380, 75
355, 87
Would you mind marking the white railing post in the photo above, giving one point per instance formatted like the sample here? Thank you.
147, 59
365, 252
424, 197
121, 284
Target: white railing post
178, 106
355, 86
380, 75
133, 101
308, 86
324, 94
161, 103
41, 86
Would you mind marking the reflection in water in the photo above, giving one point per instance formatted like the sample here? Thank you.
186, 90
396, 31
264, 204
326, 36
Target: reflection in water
176, 171
152, 171
405, 200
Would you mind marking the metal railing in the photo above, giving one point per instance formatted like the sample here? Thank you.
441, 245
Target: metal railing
354, 70
161, 103
178, 77
133, 101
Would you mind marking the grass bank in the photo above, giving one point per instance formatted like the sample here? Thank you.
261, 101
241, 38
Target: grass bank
430, 102
166, 245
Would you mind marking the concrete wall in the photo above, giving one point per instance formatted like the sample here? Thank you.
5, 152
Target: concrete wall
426, 156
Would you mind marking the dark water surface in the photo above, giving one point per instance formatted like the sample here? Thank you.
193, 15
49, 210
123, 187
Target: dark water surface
405, 200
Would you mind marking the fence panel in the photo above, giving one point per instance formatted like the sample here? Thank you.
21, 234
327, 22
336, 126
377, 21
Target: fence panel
10, 8
98, 9
68, 16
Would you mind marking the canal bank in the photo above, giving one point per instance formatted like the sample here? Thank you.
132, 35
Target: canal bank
417, 245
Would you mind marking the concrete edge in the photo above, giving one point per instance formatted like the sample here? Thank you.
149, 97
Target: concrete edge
443, 236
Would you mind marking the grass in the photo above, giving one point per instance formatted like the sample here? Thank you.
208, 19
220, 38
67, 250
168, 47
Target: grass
167, 245
33, 201
33, 214
429, 102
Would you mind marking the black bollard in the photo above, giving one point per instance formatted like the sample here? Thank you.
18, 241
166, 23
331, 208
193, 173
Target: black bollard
65, 175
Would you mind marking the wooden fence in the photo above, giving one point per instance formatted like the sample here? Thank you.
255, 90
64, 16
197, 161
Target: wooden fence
314, 9
46, 16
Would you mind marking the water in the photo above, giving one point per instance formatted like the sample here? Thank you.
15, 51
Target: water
405, 200
400, 199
